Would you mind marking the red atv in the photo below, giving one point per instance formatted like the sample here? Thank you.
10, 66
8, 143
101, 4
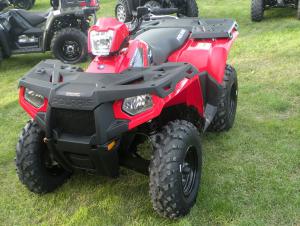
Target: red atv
161, 80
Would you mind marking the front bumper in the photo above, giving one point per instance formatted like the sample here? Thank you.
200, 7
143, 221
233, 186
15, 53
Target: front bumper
79, 120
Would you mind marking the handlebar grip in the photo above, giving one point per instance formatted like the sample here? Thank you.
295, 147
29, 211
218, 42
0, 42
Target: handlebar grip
164, 11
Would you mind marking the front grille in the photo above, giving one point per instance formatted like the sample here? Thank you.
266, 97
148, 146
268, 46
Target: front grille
75, 122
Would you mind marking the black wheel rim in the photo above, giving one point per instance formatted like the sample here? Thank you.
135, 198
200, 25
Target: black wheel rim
121, 13
189, 170
232, 101
71, 50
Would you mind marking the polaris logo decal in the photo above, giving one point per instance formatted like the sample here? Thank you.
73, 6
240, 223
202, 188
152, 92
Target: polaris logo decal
181, 34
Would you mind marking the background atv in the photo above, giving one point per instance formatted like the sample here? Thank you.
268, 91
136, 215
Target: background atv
259, 6
63, 30
96, 120
125, 9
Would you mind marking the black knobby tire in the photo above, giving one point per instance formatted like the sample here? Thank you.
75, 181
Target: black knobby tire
257, 10
32, 162
122, 11
1, 55
23, 4
298, 10
69, 45
191, 8
152, 4
227, 103
172, 193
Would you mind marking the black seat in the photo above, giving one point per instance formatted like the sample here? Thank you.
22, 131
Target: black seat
32, 18
164, 41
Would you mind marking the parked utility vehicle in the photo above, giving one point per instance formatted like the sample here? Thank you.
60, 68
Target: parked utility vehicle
138, 88
125, 9
63, 30
258, 7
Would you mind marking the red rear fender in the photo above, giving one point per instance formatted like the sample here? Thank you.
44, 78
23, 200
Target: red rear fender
206, 55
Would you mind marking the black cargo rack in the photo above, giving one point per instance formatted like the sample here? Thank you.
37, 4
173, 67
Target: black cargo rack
199, 28
68, 87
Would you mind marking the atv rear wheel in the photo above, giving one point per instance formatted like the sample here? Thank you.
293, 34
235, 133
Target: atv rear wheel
122, 11
69, 46
298, 10
257, 10
191, 9
1, 55
225, 116
152, 4
23, 4
35, 166
175, 169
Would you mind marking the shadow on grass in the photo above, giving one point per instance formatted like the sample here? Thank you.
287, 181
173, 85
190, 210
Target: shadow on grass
22, 61
282, 13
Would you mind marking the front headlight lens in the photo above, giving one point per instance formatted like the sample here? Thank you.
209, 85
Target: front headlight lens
137, 104
101, 42
34, 98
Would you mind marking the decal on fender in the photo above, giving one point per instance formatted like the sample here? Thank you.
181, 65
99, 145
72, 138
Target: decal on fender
204, 46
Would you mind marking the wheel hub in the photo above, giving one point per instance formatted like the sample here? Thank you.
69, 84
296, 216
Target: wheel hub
189, 169
121, 13
71, 50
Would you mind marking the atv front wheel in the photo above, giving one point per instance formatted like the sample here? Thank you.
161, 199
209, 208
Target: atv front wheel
36, 168
122, 11
257, 10
175, 169
69, 46
225, 116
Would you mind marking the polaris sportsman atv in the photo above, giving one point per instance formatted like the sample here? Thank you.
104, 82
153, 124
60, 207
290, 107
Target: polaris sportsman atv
137, 89
125, 9
259, 6
63, 30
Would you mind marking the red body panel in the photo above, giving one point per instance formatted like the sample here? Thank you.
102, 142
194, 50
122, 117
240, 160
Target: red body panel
30, 109
118, 62
206, 55
187, 91
121, 32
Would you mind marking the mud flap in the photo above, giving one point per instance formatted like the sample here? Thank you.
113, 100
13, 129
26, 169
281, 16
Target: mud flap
210, 112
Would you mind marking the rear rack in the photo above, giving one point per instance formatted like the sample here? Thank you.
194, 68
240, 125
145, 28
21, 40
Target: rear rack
199, 28
68, 87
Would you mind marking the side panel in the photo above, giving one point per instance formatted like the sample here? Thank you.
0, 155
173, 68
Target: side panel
206, 55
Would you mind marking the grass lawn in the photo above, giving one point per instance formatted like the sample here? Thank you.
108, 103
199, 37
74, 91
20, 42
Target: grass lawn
251, 174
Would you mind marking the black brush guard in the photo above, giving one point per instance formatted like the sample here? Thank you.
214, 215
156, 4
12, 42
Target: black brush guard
79, 122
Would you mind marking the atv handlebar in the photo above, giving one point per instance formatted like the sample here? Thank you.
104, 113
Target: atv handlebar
164, 11
145, 13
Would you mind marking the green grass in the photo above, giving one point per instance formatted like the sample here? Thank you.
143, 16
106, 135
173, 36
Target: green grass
251, 174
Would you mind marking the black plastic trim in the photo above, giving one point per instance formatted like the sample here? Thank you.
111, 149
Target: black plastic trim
86, 91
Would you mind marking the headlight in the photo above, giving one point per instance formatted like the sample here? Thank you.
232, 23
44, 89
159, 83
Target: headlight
137, 104
101, 42
34, 98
